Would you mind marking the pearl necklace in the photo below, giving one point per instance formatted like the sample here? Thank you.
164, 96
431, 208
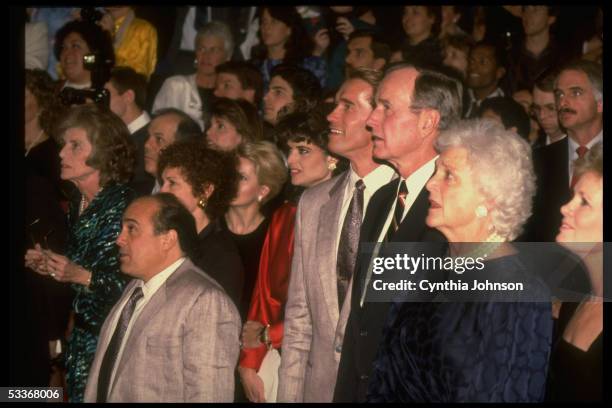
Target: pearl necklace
488, 246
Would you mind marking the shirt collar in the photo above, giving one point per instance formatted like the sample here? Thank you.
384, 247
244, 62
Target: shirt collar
417, 180
138, 123
150, 287
572, 145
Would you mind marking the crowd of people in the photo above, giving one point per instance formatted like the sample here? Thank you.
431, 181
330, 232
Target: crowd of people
200, 201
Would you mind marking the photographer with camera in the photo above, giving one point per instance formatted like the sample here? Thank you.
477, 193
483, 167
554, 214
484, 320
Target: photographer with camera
86, 57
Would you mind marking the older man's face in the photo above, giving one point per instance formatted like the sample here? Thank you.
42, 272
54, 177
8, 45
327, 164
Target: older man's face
575, 100
394, 125
162, 133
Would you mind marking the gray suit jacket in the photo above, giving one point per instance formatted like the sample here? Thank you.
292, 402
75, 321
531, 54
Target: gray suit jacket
314, 326
183, 346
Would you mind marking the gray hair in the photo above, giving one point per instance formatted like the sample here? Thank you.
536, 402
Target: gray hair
217, 29
593, 72
590, 162
436, 91
505, 158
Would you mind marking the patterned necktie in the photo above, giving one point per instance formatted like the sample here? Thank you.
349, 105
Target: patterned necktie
108, 362
581, 150
399, 210
349, 241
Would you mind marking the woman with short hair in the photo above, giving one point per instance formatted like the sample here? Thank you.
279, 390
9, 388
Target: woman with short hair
205, 182
479, 345
98, 156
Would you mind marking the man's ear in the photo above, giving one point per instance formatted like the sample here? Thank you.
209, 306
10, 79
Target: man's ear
499, 74
129, 96
169, 240
429, 119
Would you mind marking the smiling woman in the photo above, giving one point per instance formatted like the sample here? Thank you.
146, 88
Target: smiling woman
98, 157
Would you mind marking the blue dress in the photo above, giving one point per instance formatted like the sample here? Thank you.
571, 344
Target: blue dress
91, 244
465, 352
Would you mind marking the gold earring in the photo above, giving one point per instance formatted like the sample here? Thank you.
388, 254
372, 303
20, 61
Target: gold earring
202, 203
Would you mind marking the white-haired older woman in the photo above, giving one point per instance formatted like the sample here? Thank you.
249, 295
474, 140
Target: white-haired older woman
576, 363
476, 350
193, 94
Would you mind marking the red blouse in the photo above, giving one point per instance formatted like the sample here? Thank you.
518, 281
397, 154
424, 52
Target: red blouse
270, 293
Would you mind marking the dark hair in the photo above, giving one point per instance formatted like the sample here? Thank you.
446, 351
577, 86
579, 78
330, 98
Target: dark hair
434, 90
553, 11
299, 44
242, 115
546, 80
172, 215
310, 127
248, 75
306, 87
113, 152
202, 167
380, 47
501, 60
98, 40
125, 79
187, 128
50, 109
462, 42
436, 13
512, 114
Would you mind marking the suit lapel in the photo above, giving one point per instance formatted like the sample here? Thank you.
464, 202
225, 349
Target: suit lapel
151, 309
327, 230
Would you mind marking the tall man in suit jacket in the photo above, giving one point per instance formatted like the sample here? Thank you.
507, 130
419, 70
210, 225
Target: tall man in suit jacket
579, 99
315, 318
128, 95
180, 341
412, 105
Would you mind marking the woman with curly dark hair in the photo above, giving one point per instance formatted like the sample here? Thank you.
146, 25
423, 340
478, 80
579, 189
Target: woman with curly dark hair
97, 155
205, 181
75, 40
233, 122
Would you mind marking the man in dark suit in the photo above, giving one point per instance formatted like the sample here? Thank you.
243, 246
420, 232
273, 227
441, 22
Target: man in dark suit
128, 94
579, 99
412, 106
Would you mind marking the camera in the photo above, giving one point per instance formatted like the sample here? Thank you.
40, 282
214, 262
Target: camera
91, 14
100, 69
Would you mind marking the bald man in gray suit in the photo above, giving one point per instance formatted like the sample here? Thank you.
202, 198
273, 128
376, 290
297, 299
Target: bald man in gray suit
174, 334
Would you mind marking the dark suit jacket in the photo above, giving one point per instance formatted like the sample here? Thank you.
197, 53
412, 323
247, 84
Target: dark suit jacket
364, 327
142, 182
552, 192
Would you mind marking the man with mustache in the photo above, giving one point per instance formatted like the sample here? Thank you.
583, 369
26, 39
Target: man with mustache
579, 100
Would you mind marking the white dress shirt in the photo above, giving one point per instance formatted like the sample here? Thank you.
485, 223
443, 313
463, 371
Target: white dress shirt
373, 181
138, 123
148, 290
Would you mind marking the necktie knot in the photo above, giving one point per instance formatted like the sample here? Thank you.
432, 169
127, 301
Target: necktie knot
582, 150
359, 185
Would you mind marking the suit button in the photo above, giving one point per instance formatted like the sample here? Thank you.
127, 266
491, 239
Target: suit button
338, 349
363, 333
363, 377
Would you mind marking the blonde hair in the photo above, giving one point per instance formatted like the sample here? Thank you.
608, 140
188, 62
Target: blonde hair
269, 165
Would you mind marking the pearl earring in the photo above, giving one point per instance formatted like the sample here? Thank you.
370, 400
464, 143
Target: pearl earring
481, 211
331, 166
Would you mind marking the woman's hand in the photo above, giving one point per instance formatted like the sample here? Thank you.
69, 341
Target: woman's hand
321, 40
63, 270
344, 27
36, 260
251, 332
252, 383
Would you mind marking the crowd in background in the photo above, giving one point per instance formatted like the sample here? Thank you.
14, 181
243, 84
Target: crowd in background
268, 125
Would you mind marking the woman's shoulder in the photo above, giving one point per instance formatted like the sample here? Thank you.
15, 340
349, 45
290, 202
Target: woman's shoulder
117, 194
